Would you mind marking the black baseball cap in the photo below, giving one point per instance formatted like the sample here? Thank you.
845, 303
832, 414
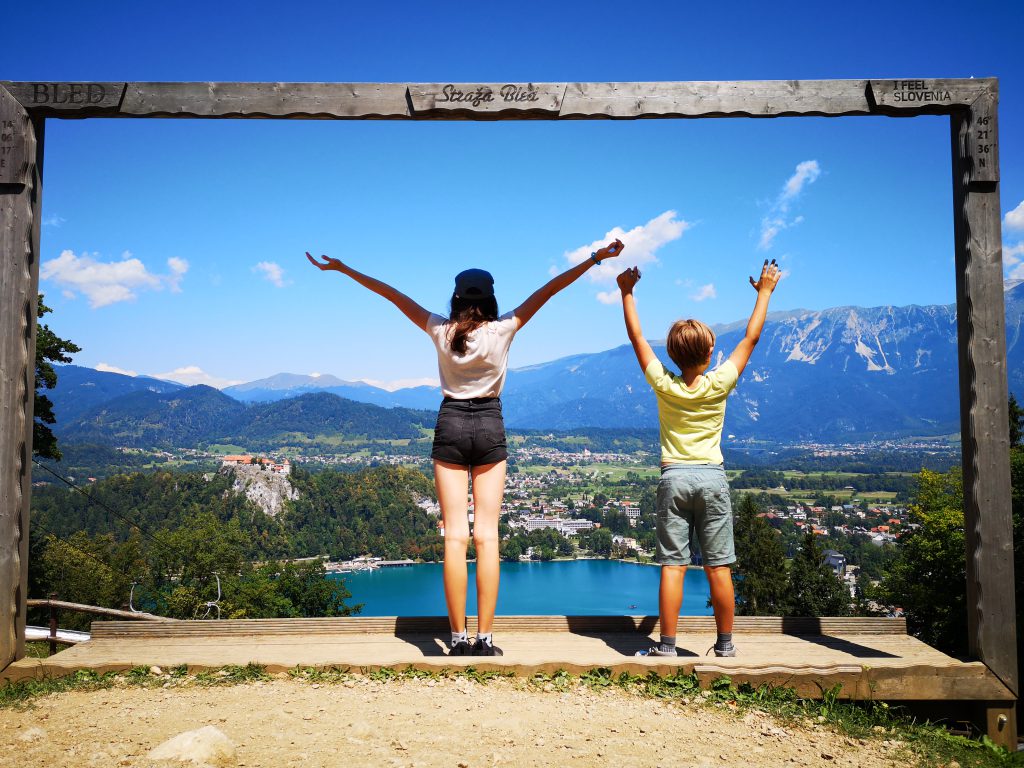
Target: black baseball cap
474, 284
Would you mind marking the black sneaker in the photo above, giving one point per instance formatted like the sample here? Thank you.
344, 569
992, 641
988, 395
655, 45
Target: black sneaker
480, 648
461, 648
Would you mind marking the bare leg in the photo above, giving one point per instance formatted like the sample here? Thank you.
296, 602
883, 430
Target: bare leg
452, 483
723, 598
488, 492
670, 597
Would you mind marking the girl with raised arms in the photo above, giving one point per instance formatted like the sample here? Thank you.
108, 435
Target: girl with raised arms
472, 346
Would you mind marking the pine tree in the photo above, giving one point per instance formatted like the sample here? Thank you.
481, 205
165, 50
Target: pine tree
50, 348
761, 584
814, 588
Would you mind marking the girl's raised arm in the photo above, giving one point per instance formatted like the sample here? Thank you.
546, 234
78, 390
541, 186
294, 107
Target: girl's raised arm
407, 306
540, 297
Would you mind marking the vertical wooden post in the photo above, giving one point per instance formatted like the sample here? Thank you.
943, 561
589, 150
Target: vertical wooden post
20, 197
53, 624
984, 418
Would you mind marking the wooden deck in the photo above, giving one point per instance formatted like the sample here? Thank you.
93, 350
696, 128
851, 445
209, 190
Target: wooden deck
869, 658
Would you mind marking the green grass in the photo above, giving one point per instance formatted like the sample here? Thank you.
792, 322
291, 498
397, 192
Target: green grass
922, 743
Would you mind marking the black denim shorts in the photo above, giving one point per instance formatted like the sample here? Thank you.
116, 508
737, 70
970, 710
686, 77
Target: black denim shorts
470, 432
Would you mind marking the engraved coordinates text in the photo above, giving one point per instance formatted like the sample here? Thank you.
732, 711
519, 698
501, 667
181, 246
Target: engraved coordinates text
6, 141
483, 94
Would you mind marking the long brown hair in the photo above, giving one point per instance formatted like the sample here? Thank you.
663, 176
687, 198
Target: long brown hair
465, 317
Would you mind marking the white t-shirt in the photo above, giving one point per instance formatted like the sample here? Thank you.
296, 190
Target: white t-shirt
481, 371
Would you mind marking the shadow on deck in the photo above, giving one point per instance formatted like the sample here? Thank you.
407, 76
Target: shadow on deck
869, 658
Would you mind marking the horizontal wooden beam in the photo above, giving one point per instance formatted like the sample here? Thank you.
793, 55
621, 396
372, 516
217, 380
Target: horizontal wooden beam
501, 101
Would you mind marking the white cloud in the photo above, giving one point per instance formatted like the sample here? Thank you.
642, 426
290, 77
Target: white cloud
705, 292
1012, 254
108, 282
1017, 273
609, 297
191, 375
1015, 218
641, 244
114, 369
272, 272
770, 227
53, 220
178, 269
806, 173
394, 384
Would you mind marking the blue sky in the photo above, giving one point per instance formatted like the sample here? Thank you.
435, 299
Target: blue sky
177, 245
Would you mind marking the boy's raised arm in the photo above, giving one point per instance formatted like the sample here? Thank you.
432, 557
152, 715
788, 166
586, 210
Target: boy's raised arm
644, 354
770, 276
406, 306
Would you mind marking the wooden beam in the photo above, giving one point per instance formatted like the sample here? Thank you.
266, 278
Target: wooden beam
984, 419
501, 101
19, 282
919, 95
486, 98
293, 100
67, 99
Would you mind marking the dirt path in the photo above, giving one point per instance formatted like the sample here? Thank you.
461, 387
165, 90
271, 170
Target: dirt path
427, 722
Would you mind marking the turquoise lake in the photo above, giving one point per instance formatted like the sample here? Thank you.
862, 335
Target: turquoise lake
569, 588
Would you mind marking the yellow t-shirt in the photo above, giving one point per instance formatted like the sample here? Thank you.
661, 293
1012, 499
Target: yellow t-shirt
691, 420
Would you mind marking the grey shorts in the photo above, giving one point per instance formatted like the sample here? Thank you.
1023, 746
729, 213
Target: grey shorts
693, 503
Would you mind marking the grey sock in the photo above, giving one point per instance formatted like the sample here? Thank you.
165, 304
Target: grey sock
668, 644
459, 637
484, 637
724, 639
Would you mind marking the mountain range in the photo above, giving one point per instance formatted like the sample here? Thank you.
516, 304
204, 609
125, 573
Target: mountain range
833, 375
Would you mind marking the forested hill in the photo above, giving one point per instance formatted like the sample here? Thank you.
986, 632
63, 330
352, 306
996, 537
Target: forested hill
168, 533
201, 415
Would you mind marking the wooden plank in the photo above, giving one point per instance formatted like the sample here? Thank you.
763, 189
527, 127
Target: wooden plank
72, 98
294, 100
753, 98
96, 610
19, 282
511, 101
503, 624
942, 94
486, 98
991, 616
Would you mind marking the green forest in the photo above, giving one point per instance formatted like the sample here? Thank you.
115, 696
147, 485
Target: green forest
168, 533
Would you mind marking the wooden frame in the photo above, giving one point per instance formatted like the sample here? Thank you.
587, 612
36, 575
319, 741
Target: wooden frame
972, 109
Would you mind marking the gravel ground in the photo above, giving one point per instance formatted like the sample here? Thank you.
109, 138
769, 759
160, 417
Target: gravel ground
417, 722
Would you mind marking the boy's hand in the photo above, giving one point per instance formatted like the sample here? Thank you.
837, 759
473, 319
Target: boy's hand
770, 276
326, 265
610, 251
628, 279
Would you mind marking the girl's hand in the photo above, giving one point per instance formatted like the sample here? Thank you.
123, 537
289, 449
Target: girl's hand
326, 265
770, 276
628, 279
610, 251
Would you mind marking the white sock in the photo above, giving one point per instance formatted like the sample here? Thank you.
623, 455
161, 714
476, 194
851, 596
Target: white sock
484, 637
459, 637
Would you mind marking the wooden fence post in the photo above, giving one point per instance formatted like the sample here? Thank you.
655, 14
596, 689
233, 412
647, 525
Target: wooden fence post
20, 195
984, 416
53, 624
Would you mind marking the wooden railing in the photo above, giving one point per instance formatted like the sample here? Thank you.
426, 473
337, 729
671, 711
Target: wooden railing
56, 606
